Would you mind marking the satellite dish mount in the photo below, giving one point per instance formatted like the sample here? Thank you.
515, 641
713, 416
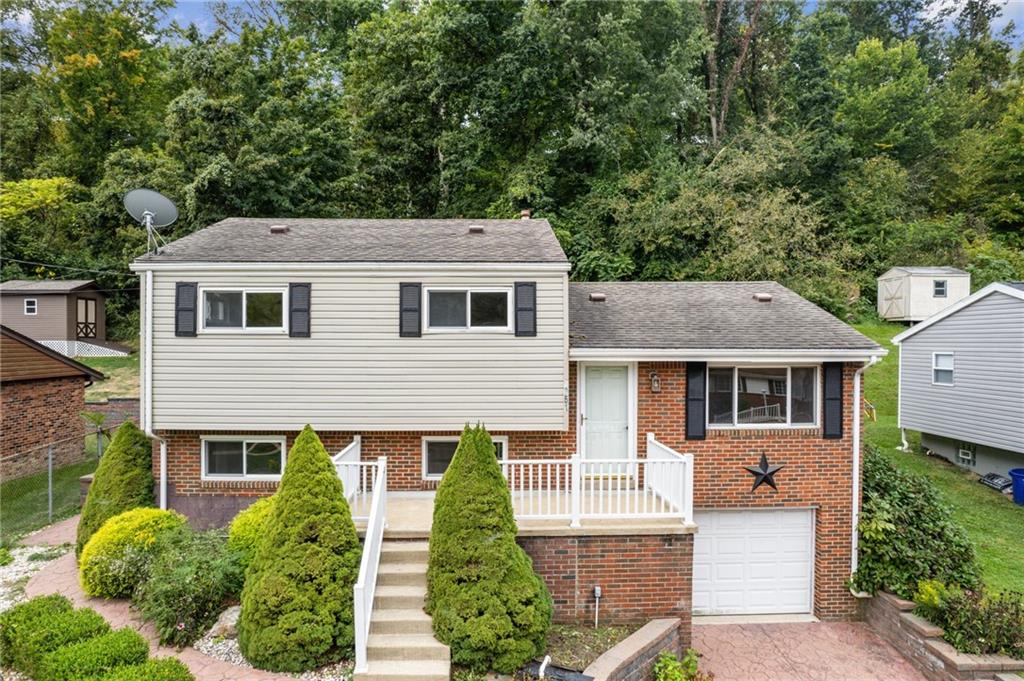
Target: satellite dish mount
153, 210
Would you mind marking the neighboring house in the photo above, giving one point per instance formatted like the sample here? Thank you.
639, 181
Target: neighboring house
643, 403
962, 380
43, 395
912, 294
66, 315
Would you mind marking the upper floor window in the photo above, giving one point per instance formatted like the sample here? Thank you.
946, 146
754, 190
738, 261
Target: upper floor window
476, 309
258, 310
31, 306
939, 288
942, 368
762, 396
236, 457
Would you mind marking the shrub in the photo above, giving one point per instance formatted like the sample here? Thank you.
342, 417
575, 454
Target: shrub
973, 622
123, 481
164, 669
297, 611
486, 602
671, 668
191, 577
116, 560
5, 556
94, 657
22, 617
248, 528
46, 634
907, 535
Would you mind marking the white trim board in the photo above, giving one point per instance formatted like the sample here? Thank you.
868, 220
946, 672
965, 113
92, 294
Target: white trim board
369, 266
956, 307
730, 356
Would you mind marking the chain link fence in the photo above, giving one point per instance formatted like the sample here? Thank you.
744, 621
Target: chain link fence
41, 485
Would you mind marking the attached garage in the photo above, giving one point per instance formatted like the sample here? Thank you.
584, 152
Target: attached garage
753, 562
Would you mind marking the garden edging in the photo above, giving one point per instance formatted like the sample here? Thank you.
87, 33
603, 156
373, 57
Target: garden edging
634, 657
921, 643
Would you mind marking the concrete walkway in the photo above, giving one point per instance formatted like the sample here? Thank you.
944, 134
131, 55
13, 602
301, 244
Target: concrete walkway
809, 651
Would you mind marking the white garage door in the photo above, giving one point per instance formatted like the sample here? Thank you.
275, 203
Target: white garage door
753, 562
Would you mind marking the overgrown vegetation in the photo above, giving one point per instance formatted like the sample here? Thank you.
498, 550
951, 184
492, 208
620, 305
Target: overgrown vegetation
297, 609
486, 601
576, 646
670, 140
671, 668
123, 481
973, 621
248, 527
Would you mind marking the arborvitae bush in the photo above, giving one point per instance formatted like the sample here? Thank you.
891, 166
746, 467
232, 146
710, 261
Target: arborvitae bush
247, 529
123, 481
486, 601
297, 611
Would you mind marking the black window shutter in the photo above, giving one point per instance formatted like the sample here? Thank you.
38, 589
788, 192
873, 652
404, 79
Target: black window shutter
409, 316
832, 428
185, 308
696, 390
298, 310
526, 308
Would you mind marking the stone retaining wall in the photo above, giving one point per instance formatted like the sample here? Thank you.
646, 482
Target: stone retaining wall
117, 409
633, 659
921, 643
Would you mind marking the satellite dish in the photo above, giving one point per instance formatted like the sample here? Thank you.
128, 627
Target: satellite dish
152, 209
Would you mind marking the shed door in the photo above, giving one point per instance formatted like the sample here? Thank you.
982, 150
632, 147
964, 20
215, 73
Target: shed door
86, 327
753, 562
894, 298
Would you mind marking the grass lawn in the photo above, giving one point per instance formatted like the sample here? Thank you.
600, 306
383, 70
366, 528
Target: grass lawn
122, 377
24, 500
993, 522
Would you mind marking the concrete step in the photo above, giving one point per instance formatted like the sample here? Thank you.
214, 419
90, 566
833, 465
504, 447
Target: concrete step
406, 670
401, 621
398, 647
402, 574
390, 597
404, 552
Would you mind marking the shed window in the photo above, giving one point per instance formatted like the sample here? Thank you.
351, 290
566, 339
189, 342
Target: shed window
939, 288
762, 396
942, 368
243, 310
438, 453
478, 309
31, 306
243, 458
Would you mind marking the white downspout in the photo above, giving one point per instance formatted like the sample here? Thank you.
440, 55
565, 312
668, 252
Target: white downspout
856, 463
147, 394
904, 445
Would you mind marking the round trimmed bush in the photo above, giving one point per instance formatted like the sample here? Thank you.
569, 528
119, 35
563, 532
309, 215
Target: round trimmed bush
297, 611
116, 559
164, 669
47, 634
95, 657
16, 622
248, 528
123, 481
486, 601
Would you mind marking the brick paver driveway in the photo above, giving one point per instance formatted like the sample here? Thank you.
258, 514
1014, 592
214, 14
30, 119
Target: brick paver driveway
812, 651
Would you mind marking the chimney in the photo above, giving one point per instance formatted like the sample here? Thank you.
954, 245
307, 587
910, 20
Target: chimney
525, 214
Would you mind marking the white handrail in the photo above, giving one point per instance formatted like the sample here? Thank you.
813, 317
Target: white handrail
363, 591
350, 476
670, 475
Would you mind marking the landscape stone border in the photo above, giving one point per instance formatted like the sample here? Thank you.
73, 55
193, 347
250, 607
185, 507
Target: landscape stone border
921, 643
634, 657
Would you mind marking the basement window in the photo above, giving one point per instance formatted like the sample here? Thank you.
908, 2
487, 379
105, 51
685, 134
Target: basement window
243, 458
438, 453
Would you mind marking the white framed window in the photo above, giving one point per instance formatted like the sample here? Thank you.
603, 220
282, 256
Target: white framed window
249, 310
438, 452
942, 368
965, 453
939, 288
469, 309
231, 457
763, 396
31, 306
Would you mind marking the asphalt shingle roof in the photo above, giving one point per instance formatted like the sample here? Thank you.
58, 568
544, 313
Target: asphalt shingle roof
14, 286
703, 315
359, 240
1016, 284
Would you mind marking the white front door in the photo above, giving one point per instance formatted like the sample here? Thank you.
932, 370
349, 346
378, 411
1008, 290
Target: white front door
753, 562
605, 412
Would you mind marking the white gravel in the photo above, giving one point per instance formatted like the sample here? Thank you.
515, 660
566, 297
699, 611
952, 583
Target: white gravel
14, 575
226, 650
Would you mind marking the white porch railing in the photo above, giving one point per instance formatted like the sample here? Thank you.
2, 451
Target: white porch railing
358, 478
659, 486
363, 591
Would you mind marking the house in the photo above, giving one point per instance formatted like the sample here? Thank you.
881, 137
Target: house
912, 294
42, 394
962, 380
66, 315
688, 447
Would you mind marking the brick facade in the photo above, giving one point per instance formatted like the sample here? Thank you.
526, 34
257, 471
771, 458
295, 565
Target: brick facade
35, 414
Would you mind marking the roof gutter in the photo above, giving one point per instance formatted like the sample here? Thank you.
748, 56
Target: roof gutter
727, 355
191, 266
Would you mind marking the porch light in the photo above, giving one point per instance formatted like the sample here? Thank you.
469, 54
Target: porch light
655, 382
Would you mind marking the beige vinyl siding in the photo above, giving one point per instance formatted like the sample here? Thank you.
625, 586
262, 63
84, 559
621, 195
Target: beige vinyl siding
49, 323
355, 372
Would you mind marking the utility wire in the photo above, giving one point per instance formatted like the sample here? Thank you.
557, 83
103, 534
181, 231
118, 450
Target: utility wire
64, 267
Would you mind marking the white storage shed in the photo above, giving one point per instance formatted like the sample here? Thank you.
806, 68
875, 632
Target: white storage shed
912, 294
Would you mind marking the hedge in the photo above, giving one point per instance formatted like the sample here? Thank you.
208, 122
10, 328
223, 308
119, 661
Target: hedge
486, 601
123, 481
116, 559
95, 657
22, 618
297, 611
164, 669
248, 528
48, 633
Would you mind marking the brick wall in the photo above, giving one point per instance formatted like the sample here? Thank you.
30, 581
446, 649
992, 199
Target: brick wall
36, 413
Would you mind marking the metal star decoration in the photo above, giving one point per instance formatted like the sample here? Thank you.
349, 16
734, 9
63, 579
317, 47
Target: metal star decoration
763, 473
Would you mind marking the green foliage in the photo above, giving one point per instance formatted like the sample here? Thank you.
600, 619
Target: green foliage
973, 621
483, 595
24, 617
46, 634
907, 535
163, 669
123, 481
5, 556
248, 527
297, 608
93, 657
191, 578
118, 557
671, 668
932, 596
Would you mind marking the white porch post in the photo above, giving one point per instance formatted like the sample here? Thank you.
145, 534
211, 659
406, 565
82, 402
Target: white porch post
576, 490
688, 488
